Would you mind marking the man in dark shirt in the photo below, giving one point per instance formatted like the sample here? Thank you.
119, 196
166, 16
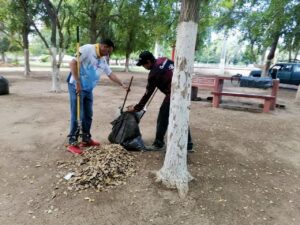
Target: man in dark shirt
160, 76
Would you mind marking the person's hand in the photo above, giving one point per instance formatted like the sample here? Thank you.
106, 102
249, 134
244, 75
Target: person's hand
125, 87
78, 87
130, 108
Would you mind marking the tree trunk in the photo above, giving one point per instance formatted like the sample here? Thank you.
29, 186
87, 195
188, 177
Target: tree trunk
127, 62
270, 56
3, 57
262, 61
25, 33
174, 173
296, 54
223, 56
26, 63
157, 49
93, 29
55, 71
298, 95
290, 54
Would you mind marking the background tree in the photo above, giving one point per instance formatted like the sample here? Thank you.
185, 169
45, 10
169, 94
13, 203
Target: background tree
17, 26
55, 17
4, 46
133, 28
95, 18
20, 23
262, 22
174, 172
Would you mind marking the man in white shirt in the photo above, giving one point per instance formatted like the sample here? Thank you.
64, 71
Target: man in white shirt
92, 65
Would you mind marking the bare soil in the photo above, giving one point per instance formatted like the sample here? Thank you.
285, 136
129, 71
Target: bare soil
246, 164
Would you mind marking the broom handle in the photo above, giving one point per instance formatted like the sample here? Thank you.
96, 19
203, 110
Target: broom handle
126, 94
78, 72
148, 103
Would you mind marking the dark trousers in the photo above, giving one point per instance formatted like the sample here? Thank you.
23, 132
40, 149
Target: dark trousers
162, 126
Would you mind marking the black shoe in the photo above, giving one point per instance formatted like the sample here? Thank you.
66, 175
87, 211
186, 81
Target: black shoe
190, 150
190, 147
154, 148
73, 140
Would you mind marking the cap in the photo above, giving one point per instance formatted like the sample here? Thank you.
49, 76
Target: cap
143, 57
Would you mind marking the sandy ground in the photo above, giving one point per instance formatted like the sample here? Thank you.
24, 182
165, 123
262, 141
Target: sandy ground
246, 165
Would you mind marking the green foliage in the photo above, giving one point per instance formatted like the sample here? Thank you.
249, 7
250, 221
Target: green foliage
4, 44
260, 22
133, 29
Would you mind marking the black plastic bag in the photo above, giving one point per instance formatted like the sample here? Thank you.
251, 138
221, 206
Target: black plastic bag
256, 82
4, 86
126, 131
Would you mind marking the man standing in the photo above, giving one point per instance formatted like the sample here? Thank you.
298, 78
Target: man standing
160, 76
92, 64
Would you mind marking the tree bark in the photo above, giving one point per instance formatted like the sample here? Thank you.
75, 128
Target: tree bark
55, 71
127, 62
52, 12
93, 28
296, 54
223, 56
174, 173
297, 99
270, 55
3, 57
25, 33
26, 63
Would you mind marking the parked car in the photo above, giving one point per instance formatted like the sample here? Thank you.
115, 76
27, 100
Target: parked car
287, 73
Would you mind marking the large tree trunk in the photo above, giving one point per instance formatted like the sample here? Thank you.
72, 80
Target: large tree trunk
93, 28
270, 56
174, 173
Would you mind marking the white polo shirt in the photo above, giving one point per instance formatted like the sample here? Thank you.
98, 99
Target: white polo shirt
91, 67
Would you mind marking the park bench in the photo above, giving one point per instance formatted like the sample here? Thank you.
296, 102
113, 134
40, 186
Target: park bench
269, 100
203, 82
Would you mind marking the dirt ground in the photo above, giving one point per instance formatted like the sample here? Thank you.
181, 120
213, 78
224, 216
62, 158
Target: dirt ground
246, 165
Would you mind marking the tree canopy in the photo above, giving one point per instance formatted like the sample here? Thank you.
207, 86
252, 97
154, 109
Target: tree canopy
136, 25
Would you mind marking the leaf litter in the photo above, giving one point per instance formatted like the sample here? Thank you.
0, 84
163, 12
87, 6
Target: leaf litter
100, 168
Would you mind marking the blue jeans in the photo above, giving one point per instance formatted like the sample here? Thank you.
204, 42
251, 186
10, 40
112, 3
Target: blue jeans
86, 114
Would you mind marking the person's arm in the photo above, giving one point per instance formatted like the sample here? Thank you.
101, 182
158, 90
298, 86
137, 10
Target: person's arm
151, 85
113, 77
74, 72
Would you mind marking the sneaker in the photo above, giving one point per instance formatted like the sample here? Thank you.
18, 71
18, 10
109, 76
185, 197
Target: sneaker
75, 149
90, 143
154, 148
190, 147
190, 150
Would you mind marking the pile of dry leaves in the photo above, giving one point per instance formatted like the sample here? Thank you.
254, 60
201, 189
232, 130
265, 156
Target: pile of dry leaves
100, 168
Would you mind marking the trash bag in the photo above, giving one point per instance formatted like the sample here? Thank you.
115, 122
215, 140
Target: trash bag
134, 144
256, 82
126, 131
4, 86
